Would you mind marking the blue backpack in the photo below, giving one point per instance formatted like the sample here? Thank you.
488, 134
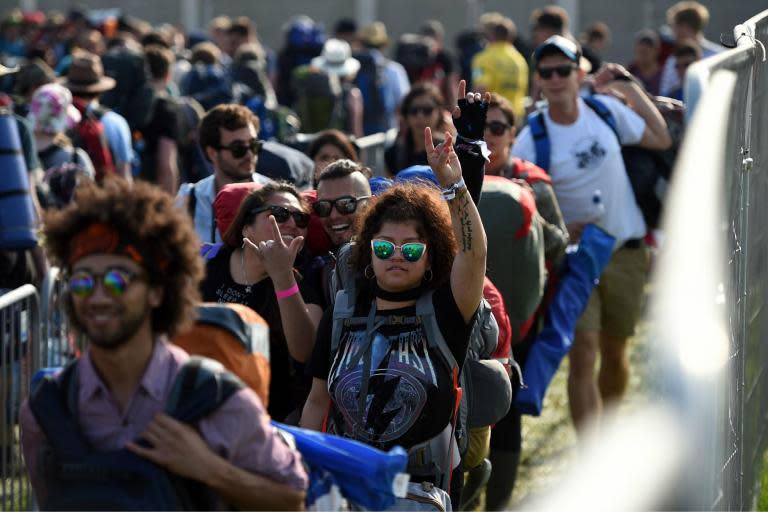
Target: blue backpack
79, 477
648, 170
371, 82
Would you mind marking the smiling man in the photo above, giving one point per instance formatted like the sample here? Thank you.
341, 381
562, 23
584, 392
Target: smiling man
342, 188
229, 139
133, 273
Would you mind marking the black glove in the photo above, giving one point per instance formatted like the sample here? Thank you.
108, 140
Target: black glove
471, 124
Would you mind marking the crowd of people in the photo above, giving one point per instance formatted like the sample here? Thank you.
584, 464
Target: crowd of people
168, 168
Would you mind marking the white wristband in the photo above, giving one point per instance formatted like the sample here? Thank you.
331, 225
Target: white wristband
449, 193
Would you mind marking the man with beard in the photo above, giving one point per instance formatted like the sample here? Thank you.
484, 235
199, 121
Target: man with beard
229, 139
342, 188
133, 274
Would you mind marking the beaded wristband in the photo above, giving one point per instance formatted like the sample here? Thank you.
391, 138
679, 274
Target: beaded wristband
284, 294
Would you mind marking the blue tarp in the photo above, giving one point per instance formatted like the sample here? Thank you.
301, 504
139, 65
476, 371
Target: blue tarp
581, 273
365, 476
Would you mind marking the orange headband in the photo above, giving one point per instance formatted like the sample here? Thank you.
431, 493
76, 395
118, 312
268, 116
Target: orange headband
101, 238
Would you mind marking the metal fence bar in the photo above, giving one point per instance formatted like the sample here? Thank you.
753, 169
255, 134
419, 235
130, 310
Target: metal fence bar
20, 336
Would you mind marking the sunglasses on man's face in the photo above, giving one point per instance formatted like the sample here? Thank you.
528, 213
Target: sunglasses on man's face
240, 148
563, 71
497, 128
345, 205
82, 283
282, 214
423, 109
411, 251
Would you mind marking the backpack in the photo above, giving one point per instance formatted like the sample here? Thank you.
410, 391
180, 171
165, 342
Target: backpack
649, 171
416, 55
210, 85
89, 135
371, 82
60, 181
235, 336
18, 224
133, 96
192, 163
319, 99
481, 375
78, 477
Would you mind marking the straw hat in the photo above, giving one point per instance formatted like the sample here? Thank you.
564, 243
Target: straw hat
337, 59
374, 34
86, 75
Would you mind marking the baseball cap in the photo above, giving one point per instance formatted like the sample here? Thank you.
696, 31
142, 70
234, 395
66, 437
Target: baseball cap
558, 44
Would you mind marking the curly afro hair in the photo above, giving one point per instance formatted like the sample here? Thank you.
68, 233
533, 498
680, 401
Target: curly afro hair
146, 216
409, 202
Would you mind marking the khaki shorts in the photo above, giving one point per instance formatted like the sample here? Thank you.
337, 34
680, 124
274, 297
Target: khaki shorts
617, 302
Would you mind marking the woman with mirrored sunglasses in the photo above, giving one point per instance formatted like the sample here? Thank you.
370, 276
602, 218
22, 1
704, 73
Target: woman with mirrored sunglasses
414, 244
422, 107
258, 267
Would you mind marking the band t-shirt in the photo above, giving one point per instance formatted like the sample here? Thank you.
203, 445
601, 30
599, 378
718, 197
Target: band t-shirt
288, 387
410, 395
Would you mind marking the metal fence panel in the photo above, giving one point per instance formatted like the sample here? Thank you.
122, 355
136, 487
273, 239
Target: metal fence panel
20, 323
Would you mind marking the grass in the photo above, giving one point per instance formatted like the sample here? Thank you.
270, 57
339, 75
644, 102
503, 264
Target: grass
549, 441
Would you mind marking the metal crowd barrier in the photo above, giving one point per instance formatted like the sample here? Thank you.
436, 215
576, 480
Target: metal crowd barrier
20, 323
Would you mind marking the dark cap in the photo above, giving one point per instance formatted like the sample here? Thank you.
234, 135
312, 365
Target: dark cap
558, 44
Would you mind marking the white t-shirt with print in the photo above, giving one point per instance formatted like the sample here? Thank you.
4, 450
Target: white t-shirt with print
585, 157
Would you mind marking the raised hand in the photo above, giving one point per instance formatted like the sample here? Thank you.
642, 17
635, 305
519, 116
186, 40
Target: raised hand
442, 159
469, 115
277, 256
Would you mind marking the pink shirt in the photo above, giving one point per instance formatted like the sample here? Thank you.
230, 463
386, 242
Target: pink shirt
239, 430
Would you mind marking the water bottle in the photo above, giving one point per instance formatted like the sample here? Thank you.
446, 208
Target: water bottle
597, 207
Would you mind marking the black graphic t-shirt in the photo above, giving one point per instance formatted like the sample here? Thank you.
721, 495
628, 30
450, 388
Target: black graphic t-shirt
289, 386
410, 395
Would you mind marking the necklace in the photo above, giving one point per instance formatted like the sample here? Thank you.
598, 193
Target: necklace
245, 272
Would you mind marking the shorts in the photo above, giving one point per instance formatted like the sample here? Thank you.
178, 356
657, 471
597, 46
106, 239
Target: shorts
617, 301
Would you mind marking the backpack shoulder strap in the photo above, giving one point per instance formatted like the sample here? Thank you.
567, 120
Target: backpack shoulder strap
540, 138
425, 310
343, 310
192, 202
200, 388
54, 405
604, 113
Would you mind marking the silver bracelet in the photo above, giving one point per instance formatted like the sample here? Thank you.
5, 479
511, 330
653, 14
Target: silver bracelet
449, 193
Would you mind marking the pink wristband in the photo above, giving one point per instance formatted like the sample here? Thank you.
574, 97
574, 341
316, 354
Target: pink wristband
283, 294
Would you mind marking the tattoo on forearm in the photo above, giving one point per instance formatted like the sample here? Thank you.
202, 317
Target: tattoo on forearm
461, 204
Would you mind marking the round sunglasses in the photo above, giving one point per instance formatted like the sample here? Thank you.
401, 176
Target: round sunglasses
563, 71
240, 148
115, 280
411, 251
282, 214
344, 205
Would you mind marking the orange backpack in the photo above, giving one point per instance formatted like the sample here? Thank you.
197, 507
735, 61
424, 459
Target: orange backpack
237, 337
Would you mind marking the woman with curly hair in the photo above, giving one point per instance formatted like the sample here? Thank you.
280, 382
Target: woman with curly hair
256, 267
423, 107
381, 371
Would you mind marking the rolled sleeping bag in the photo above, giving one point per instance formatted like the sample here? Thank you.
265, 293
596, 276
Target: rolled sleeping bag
18, 226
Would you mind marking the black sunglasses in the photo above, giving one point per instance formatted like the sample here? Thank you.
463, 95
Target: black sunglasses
497, 127
563, 71
239, 148
424, 109
282, 214
344, 205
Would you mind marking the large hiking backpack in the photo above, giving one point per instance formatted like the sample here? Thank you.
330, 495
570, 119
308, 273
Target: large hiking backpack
371, 82
416, 54
60, 181
89, 135
78, 477
235, 336
319, 99
648, 170
209, 84
18, 229
482, 387
132, 96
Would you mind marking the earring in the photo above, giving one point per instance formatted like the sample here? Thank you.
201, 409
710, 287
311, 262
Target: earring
366, 271
431, 275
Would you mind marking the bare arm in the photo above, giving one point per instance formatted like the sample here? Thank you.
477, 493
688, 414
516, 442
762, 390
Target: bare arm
468, 268
313, 415
166, 165
656, 134
299, 320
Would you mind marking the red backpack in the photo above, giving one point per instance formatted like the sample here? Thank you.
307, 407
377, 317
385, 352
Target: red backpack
89, 135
